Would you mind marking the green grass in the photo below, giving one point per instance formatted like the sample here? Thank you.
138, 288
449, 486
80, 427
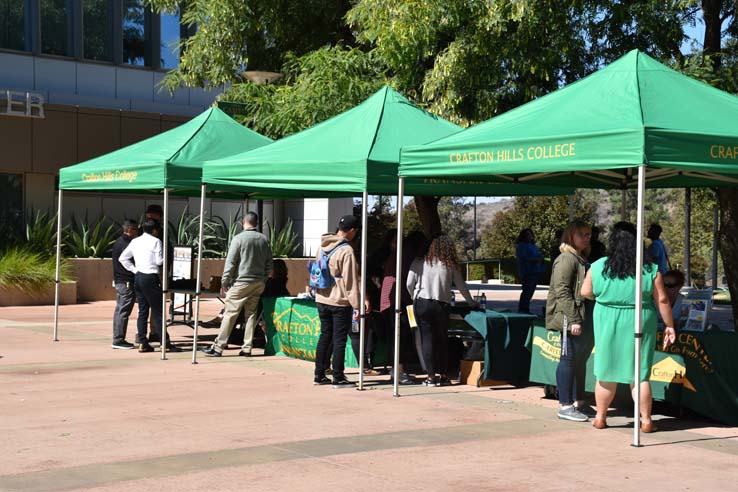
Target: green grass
29, 271
721, 297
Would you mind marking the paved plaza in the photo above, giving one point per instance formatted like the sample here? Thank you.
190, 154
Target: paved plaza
77, 415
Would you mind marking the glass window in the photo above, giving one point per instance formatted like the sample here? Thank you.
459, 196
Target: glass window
170, 36
98, 29
54, 24
134, 32
12, 25
11, 205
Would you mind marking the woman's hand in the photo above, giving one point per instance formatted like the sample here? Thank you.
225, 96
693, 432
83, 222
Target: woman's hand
576, 329
669, 337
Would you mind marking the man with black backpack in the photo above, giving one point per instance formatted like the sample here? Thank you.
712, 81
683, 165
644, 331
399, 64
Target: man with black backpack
335, 277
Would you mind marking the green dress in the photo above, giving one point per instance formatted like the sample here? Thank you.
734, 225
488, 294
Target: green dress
614, 321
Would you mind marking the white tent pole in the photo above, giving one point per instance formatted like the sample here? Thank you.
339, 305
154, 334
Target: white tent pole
200, 249
687, 234
399, 285
639, 307
165, 276
58, 266
364, 280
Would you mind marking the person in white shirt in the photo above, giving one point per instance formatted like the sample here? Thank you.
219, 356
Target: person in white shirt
143, 257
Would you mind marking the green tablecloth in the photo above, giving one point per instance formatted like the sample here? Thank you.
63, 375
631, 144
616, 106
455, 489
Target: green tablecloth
505, 356
293, 329
700, 371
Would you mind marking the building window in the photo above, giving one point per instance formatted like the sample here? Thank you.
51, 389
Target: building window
54, 27
12, 24
135, 33
11, 205
97, 22
170, 37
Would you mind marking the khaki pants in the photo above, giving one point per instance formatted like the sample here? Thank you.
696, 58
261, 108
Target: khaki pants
241, 296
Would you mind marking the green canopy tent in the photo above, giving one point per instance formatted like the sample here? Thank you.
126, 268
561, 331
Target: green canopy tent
355, 152
634, 114
169, 162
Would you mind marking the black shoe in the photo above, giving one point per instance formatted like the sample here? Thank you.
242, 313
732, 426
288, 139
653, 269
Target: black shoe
443, 381
430, 382
321, 381
343, 383
122, 345
145, 347
173, 348
406, 379
154, 337
211, 352
244, 354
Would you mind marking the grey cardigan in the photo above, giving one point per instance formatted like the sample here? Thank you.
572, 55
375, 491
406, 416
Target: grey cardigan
433, 281
249, 259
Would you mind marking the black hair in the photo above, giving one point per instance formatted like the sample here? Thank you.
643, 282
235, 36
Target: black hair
525, 236
415, 245
251, 219
654, 232
130, 224
621, 252
149, 226
154, 209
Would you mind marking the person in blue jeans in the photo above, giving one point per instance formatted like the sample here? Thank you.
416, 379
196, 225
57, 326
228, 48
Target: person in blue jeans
571, 314
530, 267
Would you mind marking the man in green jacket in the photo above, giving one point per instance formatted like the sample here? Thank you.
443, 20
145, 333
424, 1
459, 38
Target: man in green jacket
248, 265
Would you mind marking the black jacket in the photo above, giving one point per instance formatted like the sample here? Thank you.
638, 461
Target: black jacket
120, 274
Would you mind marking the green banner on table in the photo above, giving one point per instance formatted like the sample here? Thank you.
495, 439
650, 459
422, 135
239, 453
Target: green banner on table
699, 371
293, 329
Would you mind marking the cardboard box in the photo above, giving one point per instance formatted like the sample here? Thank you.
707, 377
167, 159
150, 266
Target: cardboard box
471, 371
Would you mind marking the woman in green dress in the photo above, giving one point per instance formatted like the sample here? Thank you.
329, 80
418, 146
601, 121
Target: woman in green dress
611, 282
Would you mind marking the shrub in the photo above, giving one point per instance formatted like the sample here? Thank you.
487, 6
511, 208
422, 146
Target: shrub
40, 233
28, 270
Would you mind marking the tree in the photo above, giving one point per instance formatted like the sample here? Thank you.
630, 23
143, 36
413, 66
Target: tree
234, 35
316, 86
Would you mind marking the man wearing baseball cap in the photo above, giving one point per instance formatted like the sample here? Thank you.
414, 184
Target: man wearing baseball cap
339, 303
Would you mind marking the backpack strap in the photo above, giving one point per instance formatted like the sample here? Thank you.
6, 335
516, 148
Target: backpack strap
328, 257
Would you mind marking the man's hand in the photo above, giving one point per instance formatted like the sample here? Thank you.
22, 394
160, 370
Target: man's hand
576, 329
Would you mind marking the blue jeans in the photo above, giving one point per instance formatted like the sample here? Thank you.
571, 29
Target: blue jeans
572, 370
335, 324
529, 282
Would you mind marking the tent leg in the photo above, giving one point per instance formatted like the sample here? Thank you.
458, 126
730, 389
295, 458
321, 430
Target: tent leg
687, 234
715, 221
398, 289
58, 266
165, 275
638, 332
198, 277
364, 280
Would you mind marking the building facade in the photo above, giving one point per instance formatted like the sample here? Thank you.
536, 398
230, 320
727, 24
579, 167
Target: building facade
80, 78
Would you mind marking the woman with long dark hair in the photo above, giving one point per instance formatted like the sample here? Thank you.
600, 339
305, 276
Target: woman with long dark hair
429, 280
611, 283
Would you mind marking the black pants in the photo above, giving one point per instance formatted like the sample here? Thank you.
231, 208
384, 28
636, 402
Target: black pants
335, 324
530, 282
432, 318
148, 294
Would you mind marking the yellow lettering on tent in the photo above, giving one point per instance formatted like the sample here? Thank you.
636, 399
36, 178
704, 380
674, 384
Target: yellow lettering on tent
724, 152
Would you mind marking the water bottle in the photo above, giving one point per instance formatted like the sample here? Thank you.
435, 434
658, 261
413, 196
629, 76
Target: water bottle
354, 324
483, 302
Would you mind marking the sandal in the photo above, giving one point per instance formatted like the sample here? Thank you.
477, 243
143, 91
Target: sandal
648, 427
599, 423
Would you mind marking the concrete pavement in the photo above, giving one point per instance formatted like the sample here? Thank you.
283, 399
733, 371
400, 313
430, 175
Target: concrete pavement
78, 415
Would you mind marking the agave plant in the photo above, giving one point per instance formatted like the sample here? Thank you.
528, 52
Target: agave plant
283, 243
222, 234
187, 230
82, 240
40, 234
